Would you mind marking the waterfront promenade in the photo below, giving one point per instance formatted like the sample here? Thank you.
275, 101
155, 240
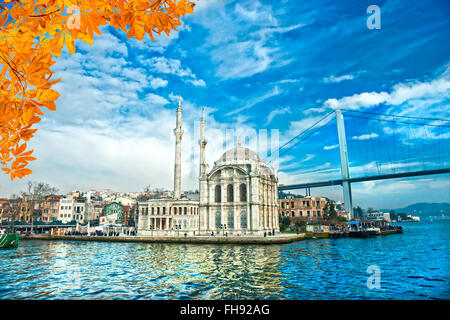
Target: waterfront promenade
277, 239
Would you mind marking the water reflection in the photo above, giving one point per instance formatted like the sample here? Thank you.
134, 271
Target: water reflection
414, 265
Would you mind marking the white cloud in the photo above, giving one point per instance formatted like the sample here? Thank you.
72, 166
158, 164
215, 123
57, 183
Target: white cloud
276, 112
366, 136
357, 101
400, 94
198, 83
274, 92
154, 99
334, 79
174, 67
158, 83
238, 50
169, 66
289, 81
242, 59
334, 146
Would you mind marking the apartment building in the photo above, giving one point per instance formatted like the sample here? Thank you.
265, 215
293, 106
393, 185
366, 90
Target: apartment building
308, 207
50, 208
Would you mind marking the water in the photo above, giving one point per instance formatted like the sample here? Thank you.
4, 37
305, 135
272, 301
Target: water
413, 265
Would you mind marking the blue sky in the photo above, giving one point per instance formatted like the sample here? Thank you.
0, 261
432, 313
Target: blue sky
256, 65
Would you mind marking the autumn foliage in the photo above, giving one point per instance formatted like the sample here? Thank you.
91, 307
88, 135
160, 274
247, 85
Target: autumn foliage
32, 33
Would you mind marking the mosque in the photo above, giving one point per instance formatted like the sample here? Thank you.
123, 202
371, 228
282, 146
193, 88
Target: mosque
238, 196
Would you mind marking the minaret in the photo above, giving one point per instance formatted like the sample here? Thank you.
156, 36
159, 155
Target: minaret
178, 132
204, 221
202, 142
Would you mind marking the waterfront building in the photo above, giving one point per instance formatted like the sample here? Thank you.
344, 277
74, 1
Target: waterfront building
309, 208
79, 209
97, 211
66, 209
128, 216
378, 216
170, 215
344, 214
126, 201
112, 214
7, 210
50, 208
237, 196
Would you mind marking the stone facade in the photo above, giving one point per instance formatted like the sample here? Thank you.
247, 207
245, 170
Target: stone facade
168, 217
238, 196
310, 208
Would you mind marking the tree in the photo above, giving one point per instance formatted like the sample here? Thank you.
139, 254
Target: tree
300, 224
285, 222
10, 211
329, 211
147, 194
33, 32
35, 195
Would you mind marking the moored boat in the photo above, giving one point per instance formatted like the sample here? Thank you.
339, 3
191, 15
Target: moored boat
373, 231
9, 240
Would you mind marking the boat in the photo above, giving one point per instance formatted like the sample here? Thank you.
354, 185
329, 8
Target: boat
373, 231
9, 240
361, 233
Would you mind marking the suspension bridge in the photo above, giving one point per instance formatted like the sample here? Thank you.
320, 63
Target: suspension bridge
426, 128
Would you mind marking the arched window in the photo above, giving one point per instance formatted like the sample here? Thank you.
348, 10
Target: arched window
230, 193
175, 210
218, 194
185, 210
243, 192
157, 210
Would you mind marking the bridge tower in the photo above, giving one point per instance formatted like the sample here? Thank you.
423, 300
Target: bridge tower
346, 186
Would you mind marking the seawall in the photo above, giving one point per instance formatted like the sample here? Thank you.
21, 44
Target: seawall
280, 239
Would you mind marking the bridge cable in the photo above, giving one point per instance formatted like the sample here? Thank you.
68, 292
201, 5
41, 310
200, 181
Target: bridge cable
398, 116
393, 141
305, 137
387, 120
300, 134
374, 153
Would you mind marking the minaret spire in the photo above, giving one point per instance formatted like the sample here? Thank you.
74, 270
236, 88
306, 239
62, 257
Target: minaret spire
178, 132
202, 142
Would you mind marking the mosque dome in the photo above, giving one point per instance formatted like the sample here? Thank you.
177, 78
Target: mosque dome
241, 155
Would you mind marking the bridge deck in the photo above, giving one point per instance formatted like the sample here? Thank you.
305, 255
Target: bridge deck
361, 179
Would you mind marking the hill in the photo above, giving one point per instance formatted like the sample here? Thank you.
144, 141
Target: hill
425, 209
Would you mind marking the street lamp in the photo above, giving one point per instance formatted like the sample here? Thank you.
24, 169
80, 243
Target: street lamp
223, 227
178, 227
151, 228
